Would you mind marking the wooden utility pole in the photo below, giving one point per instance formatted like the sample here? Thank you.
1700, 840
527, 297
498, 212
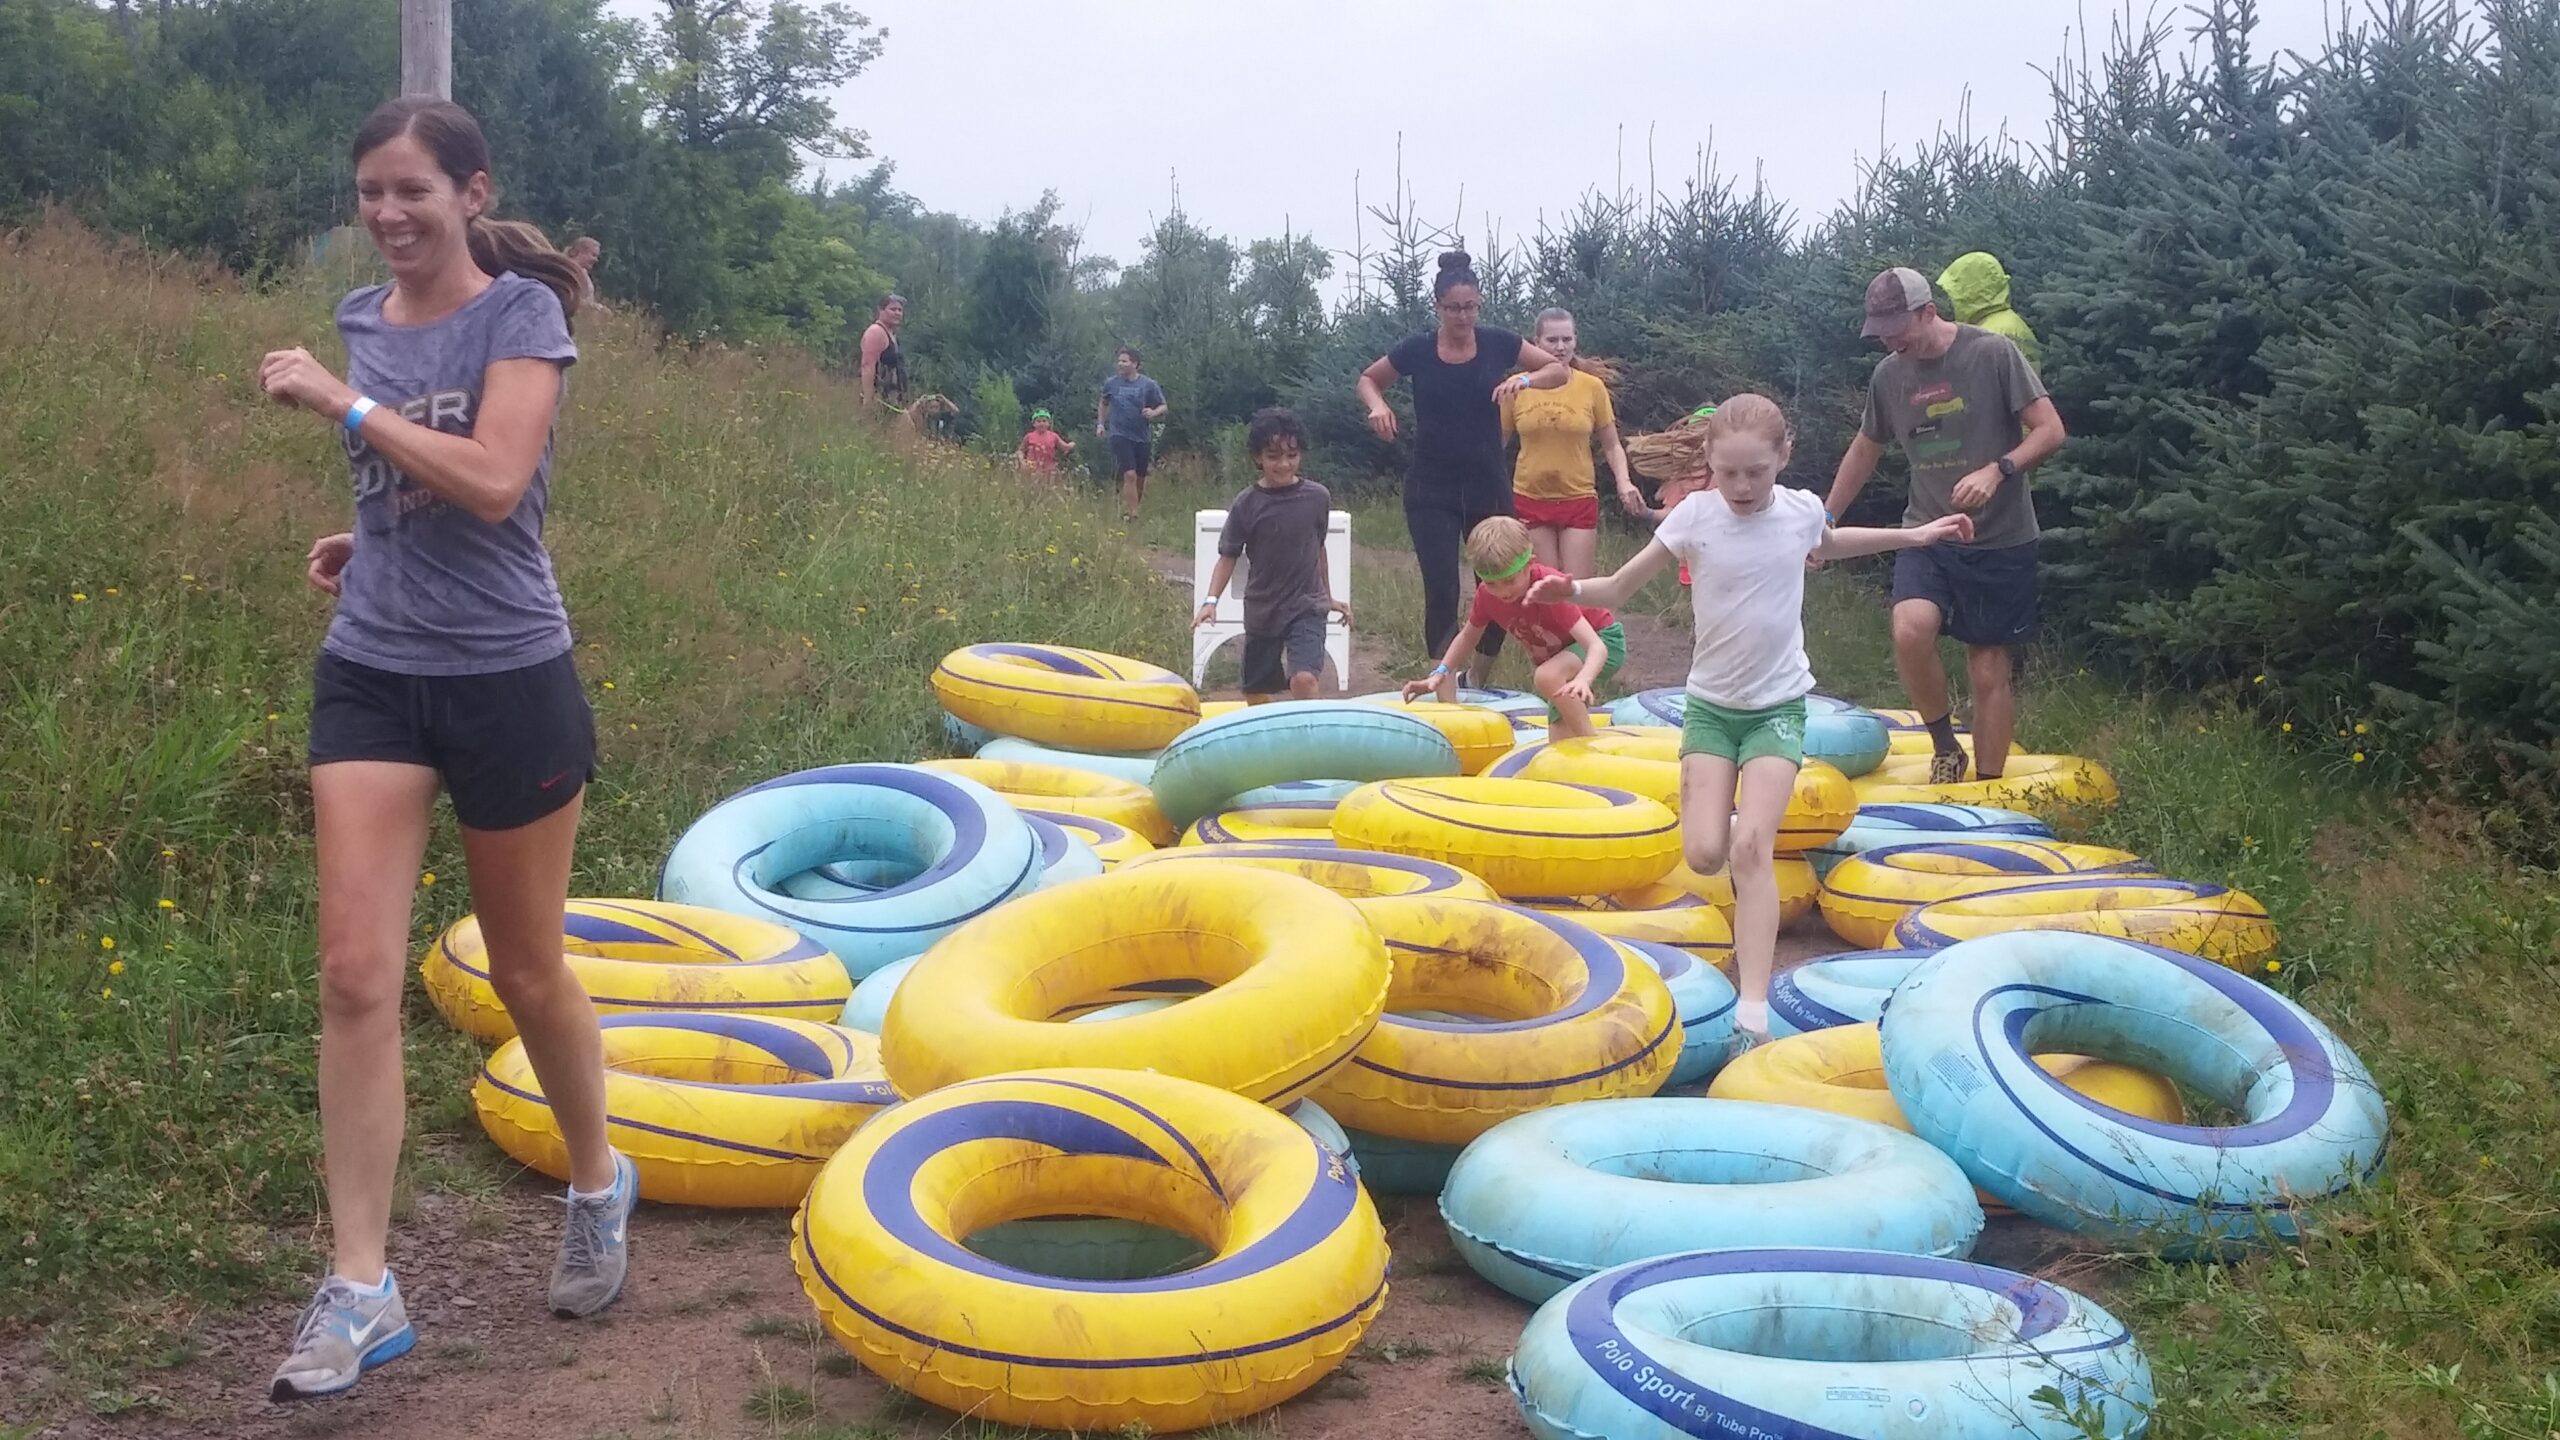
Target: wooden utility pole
426, 48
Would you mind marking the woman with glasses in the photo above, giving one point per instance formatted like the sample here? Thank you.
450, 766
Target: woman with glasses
1461, 373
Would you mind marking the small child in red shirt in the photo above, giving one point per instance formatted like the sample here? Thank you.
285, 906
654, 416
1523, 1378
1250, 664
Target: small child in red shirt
1040, 449
1575, 647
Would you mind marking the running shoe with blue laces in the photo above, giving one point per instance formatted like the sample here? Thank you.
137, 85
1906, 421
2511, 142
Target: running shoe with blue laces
595, 1247
343, 1333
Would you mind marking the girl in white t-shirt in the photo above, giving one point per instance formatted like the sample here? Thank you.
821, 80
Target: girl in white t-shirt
1745, 543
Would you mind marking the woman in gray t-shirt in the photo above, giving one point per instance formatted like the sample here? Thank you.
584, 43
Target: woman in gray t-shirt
447, 666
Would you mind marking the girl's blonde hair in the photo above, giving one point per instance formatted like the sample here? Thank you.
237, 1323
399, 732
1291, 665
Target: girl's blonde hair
1604, 371
1495, 544
1752, 414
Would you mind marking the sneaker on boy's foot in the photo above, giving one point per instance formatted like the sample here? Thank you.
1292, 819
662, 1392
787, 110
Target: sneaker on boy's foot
1946, 767
595, 1247
342, 1334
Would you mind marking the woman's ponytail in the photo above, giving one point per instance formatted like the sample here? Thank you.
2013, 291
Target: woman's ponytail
501, 246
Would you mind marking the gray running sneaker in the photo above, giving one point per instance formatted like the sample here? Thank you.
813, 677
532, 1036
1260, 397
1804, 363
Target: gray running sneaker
1946, 767
595, 1246
342, 1334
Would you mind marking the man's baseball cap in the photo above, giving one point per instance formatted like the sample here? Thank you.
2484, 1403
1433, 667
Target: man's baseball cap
1892, 299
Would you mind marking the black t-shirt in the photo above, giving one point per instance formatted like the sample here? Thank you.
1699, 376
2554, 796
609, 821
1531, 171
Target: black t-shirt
1280, 534
1457, 443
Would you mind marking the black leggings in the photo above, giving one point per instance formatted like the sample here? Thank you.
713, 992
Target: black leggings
1439, 526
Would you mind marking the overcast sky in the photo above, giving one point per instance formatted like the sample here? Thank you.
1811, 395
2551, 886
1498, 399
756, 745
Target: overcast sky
1263, 111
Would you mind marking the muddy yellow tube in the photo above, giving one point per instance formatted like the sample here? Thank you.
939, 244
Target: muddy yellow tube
1841, 1070
1297, 981
639, 956
1062, 696
1797, 888
2216, 922
1351, 874
1567, 1015
1866, 895
1296, 1270
722, 1110
2050, 787
1662, 914
1288, 823
1646, 760
1481, 736
1522, 837
1033, 786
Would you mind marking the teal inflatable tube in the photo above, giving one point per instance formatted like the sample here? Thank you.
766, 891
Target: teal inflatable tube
1063, 857
1544, 1199
1826, 1344
964, 847
1137, 767
1260, 745
2311, 1124
1845, 989
1704, 1000
1389, 1166
1852, 738
1909, 824
1294, 792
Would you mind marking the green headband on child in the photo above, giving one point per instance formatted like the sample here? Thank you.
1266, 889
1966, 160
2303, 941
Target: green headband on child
1039, 414
1507, 571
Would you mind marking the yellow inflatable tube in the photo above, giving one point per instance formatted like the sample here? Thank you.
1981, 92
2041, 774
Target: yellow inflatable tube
2220, 924
1031, 785
1070, 698
2050, 787
1797, 888
1523, 837
1297, 1266
1297, 981
726, 1110
648, 955
1646, 760
1841, 1070
1571, 1015
1481, 736
1351, 874
1867, 894
1307, 824
1663, 914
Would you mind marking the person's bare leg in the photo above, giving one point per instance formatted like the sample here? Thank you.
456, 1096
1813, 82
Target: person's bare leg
1544, 547
520, 890
1302, 686
1995, 707
1760, 807
1706, 812
371, 834
1916, 624
1572, 718
1133, 488
1580, 550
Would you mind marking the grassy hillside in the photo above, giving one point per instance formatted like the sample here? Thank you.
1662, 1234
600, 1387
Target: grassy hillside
759, 584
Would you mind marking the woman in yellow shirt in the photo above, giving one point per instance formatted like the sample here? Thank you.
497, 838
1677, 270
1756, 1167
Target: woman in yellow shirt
1554, 489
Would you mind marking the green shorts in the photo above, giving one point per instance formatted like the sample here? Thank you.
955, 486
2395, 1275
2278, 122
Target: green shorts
1743, 736
1613, 647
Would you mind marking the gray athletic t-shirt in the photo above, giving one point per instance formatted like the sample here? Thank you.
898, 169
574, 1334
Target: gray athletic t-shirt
433, 589
1129, 401
1954, 415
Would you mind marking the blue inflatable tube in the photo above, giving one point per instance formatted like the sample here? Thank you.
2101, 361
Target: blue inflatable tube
967, 849
1260, 745
964, 737
1137, 767
1705, 1002
1544, 1199
1956, 1044
1901, 824
1063, 857
1825, 1344
1844, 989
1851, 738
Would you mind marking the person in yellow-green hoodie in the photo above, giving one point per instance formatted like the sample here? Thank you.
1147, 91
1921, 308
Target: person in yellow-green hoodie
1979, 289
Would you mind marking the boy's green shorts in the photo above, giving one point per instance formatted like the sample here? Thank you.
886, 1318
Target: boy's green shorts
1743, 736
1613, 646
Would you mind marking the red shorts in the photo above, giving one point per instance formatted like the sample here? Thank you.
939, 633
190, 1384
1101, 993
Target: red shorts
1577, 514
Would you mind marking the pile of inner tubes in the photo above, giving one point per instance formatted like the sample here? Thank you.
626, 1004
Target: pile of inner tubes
1080, 1055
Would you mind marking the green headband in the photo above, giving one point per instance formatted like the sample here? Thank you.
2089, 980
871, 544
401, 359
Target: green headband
1039, 414
1507, 571
1702, 412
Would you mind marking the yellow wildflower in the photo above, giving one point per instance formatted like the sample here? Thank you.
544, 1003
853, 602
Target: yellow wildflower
115, 967
106, 942
429, 878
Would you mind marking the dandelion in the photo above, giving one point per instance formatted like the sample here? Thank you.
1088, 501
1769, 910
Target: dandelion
115, 967
190, 579
608, 684
2248, 842
2359, 727
2261, 680
273, 716
106, 992
429, 878
2275, 967
78, 598
167, 854
2358, 757
113, 590
106, 942
168, 904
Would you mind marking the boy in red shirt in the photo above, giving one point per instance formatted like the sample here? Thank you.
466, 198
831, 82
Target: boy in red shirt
1041, 448
1575, 647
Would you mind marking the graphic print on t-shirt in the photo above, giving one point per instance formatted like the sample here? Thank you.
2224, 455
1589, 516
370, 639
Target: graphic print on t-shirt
447, 412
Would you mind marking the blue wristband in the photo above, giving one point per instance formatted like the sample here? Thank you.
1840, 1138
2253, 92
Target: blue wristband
354, 420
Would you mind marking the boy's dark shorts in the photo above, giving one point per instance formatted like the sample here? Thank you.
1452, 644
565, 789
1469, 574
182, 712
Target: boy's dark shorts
1300, 642
1988, 596
1128, 455
511, 747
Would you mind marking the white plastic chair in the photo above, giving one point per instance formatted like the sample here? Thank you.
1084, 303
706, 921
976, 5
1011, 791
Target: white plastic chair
1207, 526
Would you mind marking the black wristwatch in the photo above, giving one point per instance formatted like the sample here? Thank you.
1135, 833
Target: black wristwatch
2008, 468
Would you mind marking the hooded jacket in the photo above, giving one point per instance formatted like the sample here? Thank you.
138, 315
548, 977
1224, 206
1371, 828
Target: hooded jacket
1979, 288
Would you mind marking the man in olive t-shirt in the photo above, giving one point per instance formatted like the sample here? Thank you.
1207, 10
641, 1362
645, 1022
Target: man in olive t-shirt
1972, 420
